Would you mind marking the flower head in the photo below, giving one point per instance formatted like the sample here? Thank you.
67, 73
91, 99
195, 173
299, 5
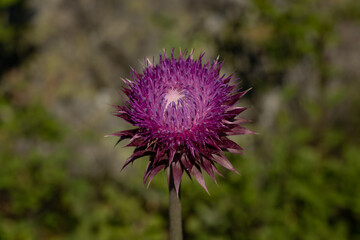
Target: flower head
184, 111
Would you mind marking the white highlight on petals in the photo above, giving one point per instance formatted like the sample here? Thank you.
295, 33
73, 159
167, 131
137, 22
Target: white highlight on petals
173, 95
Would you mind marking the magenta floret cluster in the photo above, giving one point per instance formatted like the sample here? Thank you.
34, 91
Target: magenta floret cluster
183, 110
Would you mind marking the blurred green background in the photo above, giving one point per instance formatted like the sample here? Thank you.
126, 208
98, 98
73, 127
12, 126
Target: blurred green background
60, 68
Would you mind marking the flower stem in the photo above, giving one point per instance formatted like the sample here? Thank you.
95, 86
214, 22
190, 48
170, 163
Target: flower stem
175, 214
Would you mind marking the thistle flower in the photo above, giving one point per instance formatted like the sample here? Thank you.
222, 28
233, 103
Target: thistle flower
184, 111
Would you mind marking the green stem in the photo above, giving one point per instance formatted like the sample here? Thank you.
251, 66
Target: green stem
175, 214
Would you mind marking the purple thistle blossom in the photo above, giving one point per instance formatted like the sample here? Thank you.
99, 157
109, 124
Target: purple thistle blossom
184, 111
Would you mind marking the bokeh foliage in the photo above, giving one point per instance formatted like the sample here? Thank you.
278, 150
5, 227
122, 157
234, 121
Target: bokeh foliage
14, 18
60, 179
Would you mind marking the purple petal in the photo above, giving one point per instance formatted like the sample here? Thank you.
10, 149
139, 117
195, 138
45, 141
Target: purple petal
223, 161
124, 116
187, 165
136, 142
238, 121
153, 172
239, 131
171, 156
217, 171
230, 146
160, 154
136, 155
235, 110
199, 177
208, 167
177, 174
126, 133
